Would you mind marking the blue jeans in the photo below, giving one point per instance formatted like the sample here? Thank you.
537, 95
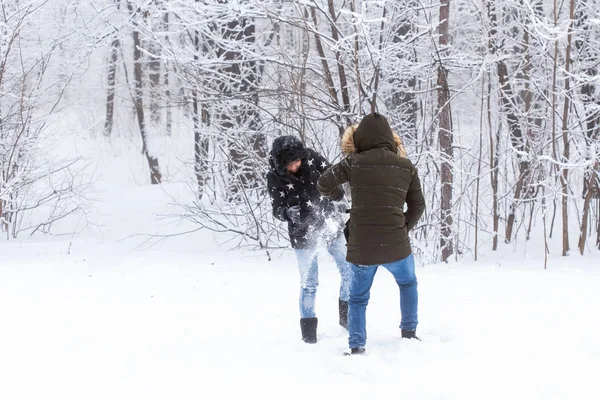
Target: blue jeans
309, 274
404, 273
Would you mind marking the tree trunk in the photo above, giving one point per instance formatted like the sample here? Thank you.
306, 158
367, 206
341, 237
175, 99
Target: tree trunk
360, 92
403, 101
154, 78
326, 70
554, 113
565, 135
514, 124
586, 209
328, 77
445, 136
155, 176
588, 56
339, 62
479, 159
544, 212
111, 81
199, 118
240, 119
169, 122
598, 226
3, 221
494, 156
201, 144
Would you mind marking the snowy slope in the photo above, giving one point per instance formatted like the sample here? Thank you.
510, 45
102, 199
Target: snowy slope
104, 324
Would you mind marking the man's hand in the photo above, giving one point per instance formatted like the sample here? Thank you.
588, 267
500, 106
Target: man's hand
342, 205
293, 214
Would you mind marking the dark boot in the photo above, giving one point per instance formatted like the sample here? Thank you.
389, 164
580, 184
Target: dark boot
409, 335
343, 305
356, 351
309, 329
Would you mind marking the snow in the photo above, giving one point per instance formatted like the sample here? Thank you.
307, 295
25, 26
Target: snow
97, 316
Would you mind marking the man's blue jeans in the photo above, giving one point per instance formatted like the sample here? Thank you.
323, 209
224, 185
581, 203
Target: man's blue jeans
309, 274
360, 287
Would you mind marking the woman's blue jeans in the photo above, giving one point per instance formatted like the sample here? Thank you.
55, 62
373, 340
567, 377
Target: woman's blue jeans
309, 274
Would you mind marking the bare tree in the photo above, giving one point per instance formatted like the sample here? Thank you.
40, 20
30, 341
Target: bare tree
494, 157
507, 98
112, 79
30, 179
169, 110
565, 135
138, 96
403, 101
445, 134
200, 119
588, 57
155, 22
240, 76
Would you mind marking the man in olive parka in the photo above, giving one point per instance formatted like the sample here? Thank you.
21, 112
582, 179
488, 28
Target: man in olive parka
382, 181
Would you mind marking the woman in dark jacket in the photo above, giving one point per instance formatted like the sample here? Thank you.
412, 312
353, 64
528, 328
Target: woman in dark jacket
313, 222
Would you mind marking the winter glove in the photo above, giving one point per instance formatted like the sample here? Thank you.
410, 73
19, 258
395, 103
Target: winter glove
293, 213
342, 205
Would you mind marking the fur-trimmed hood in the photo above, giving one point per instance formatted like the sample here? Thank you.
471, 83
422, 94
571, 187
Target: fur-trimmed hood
348, 146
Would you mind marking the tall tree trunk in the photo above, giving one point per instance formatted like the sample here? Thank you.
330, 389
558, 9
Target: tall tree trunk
153, 48
340, 65
155, 176
3, 221
565, 135
199, 117
544, 212
111, 81
154, 75
554, 113
403, 103
445, 135
360, 92
588, 58
240, 118
597, 226
169, 111
328, 76
479, 160
514, 124
586, 209
244, 163
494, 157
201, 144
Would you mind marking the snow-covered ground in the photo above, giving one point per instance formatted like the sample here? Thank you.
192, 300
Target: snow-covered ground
97, 317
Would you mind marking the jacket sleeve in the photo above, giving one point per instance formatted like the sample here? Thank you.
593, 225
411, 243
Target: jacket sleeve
278, 198
329, 183
415, 202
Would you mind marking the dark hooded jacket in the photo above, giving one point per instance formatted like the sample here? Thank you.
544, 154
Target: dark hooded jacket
319, 222
382, 182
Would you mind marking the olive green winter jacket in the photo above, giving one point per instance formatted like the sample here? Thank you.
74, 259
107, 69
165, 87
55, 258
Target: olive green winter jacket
382, 181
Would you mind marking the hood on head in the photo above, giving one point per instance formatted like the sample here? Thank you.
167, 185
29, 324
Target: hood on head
374, 132
348, 146
284, 150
